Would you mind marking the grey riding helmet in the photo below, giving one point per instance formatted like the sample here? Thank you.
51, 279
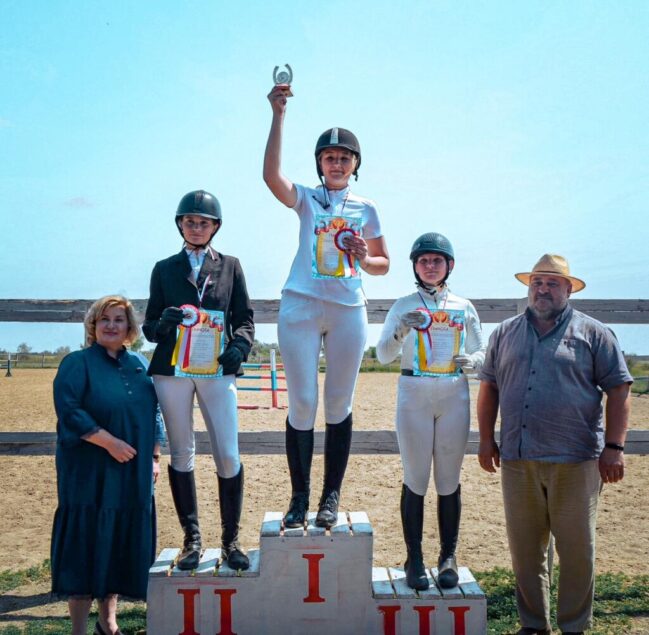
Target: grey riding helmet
432, 243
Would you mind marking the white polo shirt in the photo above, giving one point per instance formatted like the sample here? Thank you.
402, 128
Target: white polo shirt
310, 207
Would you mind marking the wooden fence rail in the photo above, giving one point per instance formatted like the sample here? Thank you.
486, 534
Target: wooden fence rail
492, 311
272, 442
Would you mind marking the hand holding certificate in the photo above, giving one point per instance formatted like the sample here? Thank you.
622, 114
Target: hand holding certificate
199, 343
464, 362
337, 240
439, 340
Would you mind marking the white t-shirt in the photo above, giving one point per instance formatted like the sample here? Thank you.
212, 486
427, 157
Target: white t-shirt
360, 212
394, 337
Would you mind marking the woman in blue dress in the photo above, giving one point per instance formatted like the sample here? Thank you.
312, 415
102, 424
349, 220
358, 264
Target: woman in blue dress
108, 443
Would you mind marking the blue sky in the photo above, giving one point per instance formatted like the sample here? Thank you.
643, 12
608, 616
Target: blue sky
515, 128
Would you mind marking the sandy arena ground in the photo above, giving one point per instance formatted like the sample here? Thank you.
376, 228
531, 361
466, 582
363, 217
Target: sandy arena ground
372, 484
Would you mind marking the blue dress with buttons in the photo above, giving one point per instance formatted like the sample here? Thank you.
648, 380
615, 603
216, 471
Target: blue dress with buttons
103, 538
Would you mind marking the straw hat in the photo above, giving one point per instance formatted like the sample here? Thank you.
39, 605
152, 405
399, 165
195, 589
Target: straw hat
552, 265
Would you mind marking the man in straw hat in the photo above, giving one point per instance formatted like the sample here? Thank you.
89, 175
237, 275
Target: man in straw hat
546, 370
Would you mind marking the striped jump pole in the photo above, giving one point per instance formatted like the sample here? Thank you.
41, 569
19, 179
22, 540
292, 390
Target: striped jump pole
273, 378
273, 388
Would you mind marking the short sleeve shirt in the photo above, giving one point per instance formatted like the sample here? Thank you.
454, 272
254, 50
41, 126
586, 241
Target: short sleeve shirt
309, 205
550, 387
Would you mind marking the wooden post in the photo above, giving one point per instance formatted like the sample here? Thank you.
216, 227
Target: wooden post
8, 373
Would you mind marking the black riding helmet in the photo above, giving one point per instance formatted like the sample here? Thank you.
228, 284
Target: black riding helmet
338, 138
199, 203
432, 243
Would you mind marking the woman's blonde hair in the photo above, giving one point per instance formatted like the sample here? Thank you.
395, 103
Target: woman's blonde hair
99, 307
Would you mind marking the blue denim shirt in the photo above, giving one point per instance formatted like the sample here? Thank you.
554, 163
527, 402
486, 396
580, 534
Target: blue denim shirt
550, 387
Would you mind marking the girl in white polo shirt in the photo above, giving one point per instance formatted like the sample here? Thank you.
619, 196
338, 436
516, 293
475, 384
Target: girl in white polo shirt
323, 305
440, 338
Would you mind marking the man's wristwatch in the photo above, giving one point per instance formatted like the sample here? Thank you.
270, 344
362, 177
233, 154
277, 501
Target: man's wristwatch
614, 446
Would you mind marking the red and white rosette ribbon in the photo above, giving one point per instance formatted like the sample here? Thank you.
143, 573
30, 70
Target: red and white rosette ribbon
190, 315
339, 238
424, 328
339, 241
427, 321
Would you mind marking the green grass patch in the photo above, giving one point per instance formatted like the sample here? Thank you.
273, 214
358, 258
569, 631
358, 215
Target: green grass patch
640, 385
10, 580
131, 622
618, 598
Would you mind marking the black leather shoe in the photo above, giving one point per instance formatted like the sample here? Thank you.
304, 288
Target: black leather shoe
297, 510
416, 577
190, 556
236, 559
328, 510
447, 573
100, 631
528, 630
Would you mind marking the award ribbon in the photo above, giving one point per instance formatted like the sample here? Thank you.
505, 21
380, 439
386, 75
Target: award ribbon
339, 241
190, 319
424, 329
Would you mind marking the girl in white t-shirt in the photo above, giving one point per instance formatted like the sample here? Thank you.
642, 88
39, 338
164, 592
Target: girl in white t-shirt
323, 305
439, 336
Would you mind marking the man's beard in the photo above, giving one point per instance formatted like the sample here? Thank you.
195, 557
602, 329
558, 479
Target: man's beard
547, 314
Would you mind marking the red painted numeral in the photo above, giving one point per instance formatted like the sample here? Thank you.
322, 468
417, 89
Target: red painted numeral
389, 619
314, 577
424, 618
226, 610
188, 610
458, 619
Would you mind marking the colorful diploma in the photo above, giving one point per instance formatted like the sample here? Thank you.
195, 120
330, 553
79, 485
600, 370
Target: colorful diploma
330, 256
199, 343
437, 341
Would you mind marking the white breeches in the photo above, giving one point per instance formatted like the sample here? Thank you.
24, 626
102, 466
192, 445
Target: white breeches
217, 399
305, 325
433, 421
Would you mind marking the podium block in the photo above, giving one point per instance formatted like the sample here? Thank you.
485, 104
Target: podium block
306, 581
461, 610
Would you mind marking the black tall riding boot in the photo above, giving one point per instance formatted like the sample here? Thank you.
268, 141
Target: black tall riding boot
183, 491
230, 503
412, 520
299, 453
338, 440
449, 509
